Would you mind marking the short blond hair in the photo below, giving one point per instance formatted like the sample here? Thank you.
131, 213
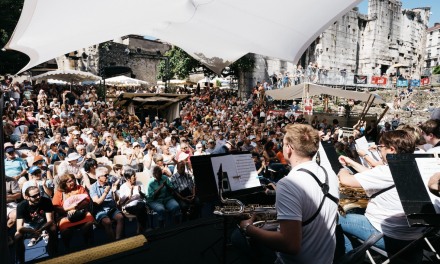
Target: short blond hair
303, 138
414, 131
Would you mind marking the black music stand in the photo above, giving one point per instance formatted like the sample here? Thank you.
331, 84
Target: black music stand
208, 192
413, 195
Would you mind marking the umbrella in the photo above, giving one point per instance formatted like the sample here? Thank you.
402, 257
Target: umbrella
69, 76
399, 65
124, 80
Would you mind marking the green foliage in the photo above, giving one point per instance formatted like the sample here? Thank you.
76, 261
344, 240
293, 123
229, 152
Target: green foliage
101, 92
182, 65
11, 61
436, 70
218, 83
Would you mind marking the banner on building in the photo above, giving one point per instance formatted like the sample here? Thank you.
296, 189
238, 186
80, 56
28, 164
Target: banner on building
415, 83
378, 80
425, 81
308, 106
402, 83
360, 79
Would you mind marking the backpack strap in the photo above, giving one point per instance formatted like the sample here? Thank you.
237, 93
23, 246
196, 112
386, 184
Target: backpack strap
382, 191
325, 190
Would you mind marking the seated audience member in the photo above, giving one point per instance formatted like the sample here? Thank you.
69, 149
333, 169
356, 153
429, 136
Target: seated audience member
95, 147
15, 167
105, 197
68, 166
89, 175
13, 193
272, 158
118, 177
185, 192
44, 185
384, 212
431, 134
199, 150
340, 149
132, 195
72, 215
110, 149
72, 146
160, 196
54, 155
35, 215
148, 159
158, 160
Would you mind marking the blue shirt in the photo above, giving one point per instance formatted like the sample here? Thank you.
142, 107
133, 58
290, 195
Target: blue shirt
55, 157
294, 108
164, 195
97, 190
220, 150
14, 167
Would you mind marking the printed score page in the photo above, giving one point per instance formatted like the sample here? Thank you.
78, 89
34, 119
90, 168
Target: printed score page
247, 171
427, 168
228, 166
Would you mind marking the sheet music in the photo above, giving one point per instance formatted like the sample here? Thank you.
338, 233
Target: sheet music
229, 166
361, 143
246, 170
237, 165
427, 168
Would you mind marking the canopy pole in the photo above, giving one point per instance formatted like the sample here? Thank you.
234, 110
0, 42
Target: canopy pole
366, 103
383, 114
368, 108
302, 102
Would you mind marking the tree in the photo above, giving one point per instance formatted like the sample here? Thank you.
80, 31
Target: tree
182, 65
436, 70
11, 61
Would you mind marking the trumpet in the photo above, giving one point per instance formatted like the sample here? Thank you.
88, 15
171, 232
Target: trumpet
265, 213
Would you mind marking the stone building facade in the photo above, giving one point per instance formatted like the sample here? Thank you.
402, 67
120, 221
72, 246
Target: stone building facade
367, 44
432, 54
97, 56
370, 44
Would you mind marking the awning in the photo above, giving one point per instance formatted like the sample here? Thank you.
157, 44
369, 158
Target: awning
297, 91
69, 76
149, 100
48, 28
178, 82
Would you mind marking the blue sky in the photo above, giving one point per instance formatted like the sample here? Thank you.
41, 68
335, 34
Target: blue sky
434, 4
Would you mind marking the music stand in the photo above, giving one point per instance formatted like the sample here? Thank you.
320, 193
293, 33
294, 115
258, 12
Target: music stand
413, 195
208, 192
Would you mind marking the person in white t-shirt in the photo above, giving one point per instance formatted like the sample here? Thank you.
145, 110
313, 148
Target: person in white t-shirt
431, 134
299, 238
384, 212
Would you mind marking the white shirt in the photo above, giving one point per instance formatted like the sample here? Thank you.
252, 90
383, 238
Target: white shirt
220, 142
124, 193
431, 149
298, 198
385, 211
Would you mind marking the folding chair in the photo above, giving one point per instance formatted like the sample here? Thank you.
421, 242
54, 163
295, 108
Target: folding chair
55, 168
119, 159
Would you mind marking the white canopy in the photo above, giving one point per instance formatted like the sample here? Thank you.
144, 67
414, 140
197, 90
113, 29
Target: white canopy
69, 76
47, 30
297, 91
124, 80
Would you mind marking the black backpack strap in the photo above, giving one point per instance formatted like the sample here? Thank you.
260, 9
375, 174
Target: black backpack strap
325, 190
382, 191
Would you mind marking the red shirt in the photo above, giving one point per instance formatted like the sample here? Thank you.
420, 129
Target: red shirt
55, 123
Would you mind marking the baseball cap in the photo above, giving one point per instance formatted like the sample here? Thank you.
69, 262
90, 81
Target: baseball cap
33, 169
211, 141
135, 144
10, 149
76, 132
54, 116
38, 158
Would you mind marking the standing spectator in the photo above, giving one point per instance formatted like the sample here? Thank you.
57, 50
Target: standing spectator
395, 121
371, 131
343, 73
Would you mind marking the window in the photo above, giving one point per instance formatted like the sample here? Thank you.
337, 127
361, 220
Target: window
430, 42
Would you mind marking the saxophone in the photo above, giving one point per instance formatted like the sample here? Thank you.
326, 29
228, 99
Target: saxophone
265, 213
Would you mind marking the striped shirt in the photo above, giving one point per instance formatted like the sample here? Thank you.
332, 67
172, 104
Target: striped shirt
181, 182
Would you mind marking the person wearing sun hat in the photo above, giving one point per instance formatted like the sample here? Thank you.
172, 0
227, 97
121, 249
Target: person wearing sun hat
68, 166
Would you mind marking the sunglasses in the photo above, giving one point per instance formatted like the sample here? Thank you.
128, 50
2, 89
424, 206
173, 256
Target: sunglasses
35, 196
37, 141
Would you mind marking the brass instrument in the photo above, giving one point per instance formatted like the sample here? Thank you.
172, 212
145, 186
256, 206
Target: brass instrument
356, 198
265, 214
